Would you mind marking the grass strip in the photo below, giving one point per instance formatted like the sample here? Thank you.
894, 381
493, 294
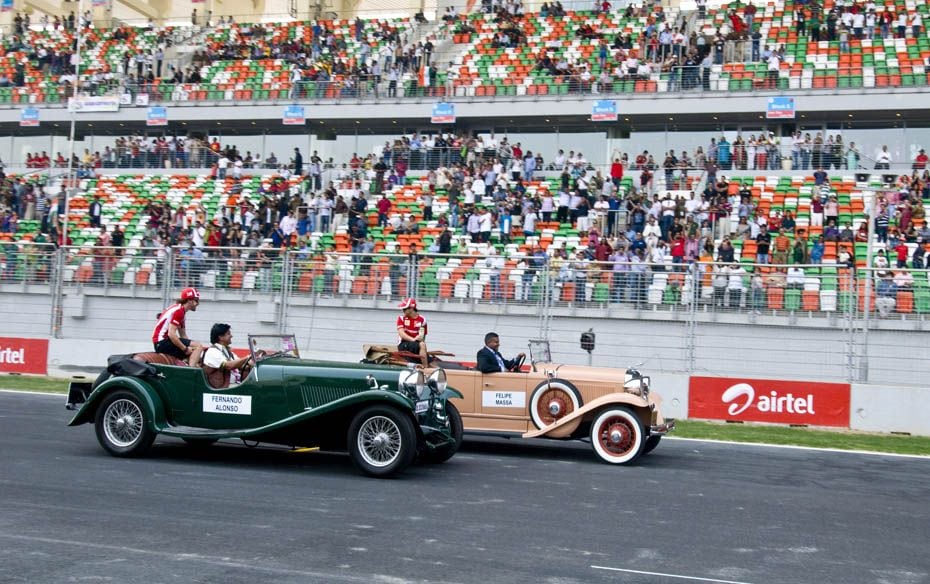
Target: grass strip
34, 383
793, 436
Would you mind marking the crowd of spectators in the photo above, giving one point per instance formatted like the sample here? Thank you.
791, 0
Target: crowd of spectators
630, 232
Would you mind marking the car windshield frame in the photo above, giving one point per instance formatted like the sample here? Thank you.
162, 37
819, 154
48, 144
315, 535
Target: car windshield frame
266, 346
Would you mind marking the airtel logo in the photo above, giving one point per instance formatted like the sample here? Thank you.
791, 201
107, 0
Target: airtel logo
742, 395
13, 356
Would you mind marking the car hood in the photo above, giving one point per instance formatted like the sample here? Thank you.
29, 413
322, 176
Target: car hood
565, 371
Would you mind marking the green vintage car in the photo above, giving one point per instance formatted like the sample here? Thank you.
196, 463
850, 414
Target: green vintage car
385, 416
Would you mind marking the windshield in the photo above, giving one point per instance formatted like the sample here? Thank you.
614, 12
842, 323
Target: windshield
539, 351
266, 346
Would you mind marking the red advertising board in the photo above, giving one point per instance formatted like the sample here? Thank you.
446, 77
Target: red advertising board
23, 355
769, 400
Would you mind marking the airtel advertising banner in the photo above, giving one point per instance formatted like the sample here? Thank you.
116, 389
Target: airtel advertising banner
23, 355
768, 400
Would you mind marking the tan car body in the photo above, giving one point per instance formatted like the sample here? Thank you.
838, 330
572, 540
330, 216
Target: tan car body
562, 402
598, 387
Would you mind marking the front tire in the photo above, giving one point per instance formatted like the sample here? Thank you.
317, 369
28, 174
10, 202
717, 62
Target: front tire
651, 443
382, 441
457, 428
120, 425
617, 435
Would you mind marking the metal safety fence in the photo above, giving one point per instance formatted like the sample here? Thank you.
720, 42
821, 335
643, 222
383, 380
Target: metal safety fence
722, 315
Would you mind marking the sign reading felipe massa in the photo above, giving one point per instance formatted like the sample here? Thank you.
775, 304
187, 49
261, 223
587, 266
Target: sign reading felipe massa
768, 400
23, 355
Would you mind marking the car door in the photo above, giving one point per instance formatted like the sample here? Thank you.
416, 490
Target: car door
500, 403
468, 382
257, 401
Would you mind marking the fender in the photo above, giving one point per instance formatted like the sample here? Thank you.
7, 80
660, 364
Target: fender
154, 407
451, 393
565, 426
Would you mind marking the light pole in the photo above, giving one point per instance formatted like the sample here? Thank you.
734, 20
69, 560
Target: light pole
79, 35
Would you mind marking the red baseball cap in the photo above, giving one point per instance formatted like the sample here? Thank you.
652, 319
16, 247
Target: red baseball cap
190, 294
408, 303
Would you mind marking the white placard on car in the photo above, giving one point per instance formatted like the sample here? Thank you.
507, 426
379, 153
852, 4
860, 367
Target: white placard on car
221, 403
503, 399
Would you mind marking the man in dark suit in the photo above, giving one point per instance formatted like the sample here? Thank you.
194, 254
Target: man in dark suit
491, 361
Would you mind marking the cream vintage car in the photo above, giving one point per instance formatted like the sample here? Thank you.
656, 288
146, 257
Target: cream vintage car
614, 408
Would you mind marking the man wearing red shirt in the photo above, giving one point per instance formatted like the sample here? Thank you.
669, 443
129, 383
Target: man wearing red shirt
902, 252
170, 334
411, 330
616, 172
384, 207
920, 162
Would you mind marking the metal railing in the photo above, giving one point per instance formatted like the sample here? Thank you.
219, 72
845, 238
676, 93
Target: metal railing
759, 300
672, 81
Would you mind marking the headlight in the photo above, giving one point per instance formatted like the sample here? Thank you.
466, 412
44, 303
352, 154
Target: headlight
637, 386
634, 386
413, 382
437, 380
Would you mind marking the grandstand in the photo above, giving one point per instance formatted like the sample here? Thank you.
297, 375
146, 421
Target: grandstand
519, 74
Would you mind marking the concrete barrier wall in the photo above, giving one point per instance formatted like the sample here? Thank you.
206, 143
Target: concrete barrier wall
887, 408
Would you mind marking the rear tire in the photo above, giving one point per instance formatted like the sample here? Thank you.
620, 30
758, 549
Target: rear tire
382, 441
120, 425
552, 400
457, 428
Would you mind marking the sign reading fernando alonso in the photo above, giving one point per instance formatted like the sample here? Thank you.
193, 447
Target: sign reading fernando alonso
23, 355
768, 400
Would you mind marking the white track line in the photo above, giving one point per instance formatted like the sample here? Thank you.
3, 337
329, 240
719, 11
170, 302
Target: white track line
24, 392
792, 447
678, 576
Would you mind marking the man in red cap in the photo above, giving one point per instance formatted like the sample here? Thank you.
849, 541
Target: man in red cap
170, 334
411, 329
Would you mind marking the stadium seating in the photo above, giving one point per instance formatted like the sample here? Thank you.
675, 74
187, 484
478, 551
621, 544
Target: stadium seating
877, 62
485, 70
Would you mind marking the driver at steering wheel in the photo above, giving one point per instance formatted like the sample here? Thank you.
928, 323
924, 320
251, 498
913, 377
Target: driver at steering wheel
491, 361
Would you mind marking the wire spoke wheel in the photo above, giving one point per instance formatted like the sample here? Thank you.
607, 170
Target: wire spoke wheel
382, 441
120, 425
379, 441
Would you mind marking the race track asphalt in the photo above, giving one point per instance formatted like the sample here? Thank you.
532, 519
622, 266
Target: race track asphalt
499, 512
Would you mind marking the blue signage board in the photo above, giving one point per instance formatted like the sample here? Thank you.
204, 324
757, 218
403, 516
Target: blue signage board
780, 108
157, 116
443, 113
294, 116
604, 110
29, 118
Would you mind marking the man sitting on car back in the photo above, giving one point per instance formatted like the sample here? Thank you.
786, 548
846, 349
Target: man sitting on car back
491, 361
220, 365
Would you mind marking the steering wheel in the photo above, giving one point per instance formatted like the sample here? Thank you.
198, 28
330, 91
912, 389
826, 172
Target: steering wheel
518, 363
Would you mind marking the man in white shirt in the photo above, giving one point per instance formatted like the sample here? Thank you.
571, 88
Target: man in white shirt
288, 224
221, 165
486, 223
221, 366
735, 286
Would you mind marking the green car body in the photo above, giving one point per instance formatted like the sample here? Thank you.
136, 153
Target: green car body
284, 400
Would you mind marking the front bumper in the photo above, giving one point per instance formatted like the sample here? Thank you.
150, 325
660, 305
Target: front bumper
434, 438
663, 428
